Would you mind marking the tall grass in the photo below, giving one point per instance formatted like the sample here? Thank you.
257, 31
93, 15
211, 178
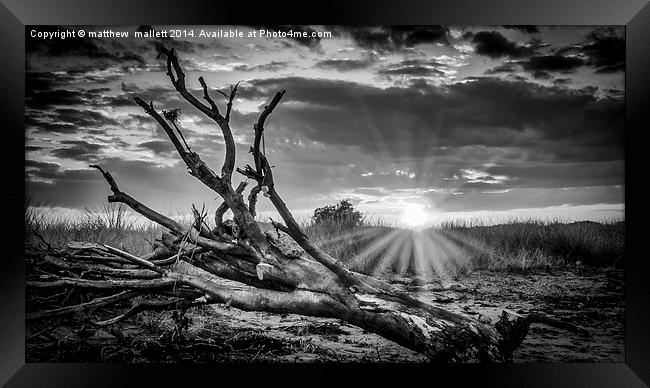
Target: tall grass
111, 224
519, 245
343, 240
589, 242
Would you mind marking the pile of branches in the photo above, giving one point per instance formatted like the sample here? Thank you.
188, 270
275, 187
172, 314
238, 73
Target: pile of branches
264, 273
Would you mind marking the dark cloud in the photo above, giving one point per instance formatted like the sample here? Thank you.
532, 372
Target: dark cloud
416, 71
606, 51
271, 66
505, 68
603, 49
484, 111
540, 74
494, 45
78, 150
541, 66
562, 81
40, 125
43, 116
44, 90
43, 170
558, 175
343, 64
49, 98
84, 118
393, 38
158, 146
413, 68
44, 81
552, 63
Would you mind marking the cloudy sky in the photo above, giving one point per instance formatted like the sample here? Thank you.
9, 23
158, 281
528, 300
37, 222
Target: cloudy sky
428, 122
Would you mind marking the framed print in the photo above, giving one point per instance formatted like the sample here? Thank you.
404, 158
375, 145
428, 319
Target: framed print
390, 191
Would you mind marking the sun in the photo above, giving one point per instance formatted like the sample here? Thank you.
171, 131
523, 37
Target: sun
415, 218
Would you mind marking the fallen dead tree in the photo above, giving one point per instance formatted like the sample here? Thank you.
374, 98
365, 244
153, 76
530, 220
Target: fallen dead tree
270, 275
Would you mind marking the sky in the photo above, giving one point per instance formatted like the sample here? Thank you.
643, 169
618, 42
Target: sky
413, 124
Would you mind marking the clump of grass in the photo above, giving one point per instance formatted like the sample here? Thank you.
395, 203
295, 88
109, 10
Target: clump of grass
111, 224
541, 244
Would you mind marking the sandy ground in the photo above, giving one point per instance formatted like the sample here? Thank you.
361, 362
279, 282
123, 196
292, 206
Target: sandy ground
591, 299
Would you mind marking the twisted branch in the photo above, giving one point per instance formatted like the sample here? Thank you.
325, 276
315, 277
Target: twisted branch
211, 111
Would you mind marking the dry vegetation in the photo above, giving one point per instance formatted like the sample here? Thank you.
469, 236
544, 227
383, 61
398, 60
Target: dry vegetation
516, 246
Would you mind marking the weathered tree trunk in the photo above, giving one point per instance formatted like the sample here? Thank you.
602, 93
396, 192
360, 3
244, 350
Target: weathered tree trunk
273, 277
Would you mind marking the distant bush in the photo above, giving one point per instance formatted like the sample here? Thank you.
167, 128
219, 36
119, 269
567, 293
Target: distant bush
343, 213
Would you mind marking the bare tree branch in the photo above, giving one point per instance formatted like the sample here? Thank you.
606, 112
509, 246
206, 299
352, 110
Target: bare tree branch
179, 82
83, 307
231, 98
170, 224
223, 208
206, 96
259, 129
100, 269
149, 305
200, 224
212, 111
252, 199
144, 284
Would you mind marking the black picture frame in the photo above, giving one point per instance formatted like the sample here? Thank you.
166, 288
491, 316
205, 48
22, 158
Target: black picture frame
16, 14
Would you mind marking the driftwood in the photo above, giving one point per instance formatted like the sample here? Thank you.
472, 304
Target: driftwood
269, 277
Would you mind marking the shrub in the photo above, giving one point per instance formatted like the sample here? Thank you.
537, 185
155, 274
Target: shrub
342, 213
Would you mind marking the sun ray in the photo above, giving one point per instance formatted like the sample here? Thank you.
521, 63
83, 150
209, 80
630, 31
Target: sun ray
418, 253
465, 240
377, 138
405, 255
390, 254
460, 254
449, 250
374, 247
434, 257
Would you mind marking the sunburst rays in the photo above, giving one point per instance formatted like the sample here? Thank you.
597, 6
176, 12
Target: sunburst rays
426, 254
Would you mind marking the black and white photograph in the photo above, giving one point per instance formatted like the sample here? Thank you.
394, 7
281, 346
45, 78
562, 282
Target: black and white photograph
325, 194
